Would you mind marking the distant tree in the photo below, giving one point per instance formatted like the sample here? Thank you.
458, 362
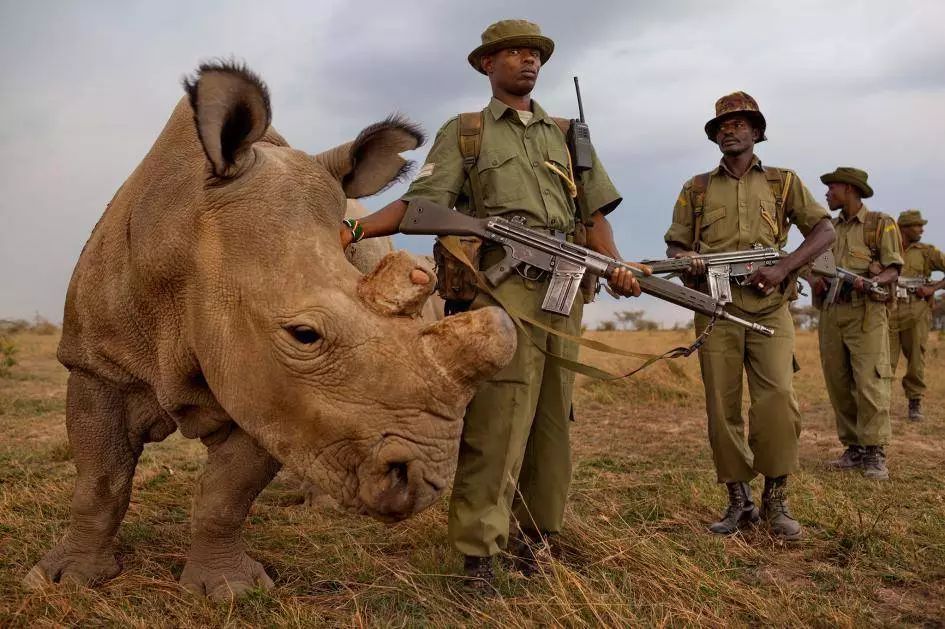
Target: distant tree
606, 326
8, 350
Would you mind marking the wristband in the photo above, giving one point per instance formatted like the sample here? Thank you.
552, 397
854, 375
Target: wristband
357, 231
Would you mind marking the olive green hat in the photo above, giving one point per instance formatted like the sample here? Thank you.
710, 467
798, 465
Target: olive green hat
911, 217
853, 176
511, 34
736, 103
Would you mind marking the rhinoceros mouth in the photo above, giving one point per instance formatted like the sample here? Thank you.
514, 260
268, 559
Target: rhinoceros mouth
392, 481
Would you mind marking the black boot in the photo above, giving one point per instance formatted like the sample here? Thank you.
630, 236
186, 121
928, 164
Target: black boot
915, 410
480, 577
851, 459
741, 510
874, 463
774, 510
528, 550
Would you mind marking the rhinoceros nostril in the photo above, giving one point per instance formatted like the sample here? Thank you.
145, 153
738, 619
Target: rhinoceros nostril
397, 474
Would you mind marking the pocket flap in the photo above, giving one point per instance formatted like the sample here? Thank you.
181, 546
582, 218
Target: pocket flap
559, 156
495, 157
710, 216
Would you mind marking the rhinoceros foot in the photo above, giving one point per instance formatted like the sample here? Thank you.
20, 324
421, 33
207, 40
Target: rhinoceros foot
223, 576
68, 564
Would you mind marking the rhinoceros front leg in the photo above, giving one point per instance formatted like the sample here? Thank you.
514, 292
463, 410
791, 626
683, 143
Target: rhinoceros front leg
237, 470
105, 456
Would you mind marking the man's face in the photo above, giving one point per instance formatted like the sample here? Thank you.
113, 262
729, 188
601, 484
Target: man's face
735, 135
513, 70
912, 233
837, 195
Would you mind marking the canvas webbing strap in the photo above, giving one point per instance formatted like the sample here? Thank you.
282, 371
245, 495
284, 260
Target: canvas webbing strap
451, 244
470, 143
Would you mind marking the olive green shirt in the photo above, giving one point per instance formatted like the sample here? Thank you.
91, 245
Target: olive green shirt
740, 213
850, 249
920, 260
512, 171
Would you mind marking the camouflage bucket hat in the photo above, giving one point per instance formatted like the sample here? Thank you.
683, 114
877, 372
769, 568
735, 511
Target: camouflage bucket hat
910, 218
736, 103
510, 34
852, 176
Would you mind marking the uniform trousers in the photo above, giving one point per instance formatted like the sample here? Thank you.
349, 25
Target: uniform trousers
515, 451
854, 352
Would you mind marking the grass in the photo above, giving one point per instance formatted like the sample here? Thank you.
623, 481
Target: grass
634, 552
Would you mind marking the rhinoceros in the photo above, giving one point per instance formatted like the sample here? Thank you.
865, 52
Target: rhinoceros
213, 297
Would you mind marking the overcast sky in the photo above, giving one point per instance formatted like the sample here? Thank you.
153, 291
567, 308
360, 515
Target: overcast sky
86, 87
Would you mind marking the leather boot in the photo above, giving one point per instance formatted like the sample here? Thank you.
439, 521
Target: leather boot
480, 577
741, 510
775, 511
851, 459
915, 410
874, 463
528, 551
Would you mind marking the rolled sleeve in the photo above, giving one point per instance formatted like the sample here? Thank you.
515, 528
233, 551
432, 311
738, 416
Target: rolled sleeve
804, 211
600, 194
890, 244
936, 259
680, 232
441, 177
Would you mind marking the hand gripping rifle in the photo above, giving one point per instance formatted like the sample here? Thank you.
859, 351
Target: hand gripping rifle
566, 262
843, 276
906, 286
722, 268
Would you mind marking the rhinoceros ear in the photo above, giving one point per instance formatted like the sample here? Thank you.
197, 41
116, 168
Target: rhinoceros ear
231, 111
372, 162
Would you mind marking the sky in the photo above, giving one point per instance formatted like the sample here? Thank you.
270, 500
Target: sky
87, 87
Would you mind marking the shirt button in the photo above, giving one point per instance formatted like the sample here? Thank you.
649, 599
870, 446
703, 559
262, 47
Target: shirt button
546, 191
535, 164
495, 162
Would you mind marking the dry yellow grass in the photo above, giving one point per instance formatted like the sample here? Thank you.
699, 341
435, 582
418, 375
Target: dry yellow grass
634, 554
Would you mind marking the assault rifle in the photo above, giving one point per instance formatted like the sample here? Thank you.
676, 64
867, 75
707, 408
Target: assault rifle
843, 276
565, 261
721, 269
906, 286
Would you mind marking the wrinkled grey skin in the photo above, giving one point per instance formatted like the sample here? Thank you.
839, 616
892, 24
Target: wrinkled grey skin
213, 298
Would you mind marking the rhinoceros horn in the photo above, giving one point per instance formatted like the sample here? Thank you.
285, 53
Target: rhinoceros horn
371, 162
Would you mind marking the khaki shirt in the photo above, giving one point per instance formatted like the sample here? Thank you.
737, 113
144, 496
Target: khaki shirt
850, 248
739, 214
920, 260
512, 171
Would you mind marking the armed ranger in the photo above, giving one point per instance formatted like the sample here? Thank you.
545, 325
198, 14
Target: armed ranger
721, 269
564, 261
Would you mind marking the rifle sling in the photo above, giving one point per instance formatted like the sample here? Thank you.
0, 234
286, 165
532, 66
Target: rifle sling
451, 244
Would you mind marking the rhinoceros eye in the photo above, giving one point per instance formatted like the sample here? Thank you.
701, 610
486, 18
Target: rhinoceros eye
304, 334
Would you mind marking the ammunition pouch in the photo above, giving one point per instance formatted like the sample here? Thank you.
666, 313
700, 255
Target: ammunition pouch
455, 282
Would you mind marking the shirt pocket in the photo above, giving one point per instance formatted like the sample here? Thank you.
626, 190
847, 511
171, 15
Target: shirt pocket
712, 224
500, 175
858, 259
769, 223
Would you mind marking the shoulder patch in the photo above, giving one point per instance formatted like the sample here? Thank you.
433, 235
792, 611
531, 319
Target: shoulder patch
426, 171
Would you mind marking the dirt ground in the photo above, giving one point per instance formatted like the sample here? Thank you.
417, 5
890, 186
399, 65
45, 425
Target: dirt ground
635, 552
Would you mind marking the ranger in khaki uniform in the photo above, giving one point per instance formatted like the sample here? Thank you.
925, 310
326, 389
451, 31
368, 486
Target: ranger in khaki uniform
737, 206
854, 332
909, 321
515, 443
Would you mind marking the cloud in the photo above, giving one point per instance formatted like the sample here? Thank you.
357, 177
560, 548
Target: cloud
90, 86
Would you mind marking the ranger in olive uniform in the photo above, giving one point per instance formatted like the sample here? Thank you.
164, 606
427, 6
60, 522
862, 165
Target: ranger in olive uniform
515, 442
854, 332
737, 206
909, 321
